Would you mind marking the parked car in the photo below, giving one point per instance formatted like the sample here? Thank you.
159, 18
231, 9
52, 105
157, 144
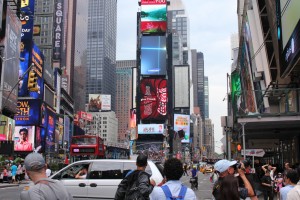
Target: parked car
102, 179
208, 169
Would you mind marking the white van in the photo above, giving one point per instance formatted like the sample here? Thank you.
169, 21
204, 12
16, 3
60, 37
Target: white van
102, 179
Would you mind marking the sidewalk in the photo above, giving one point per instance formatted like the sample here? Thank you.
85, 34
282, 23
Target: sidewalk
5, 185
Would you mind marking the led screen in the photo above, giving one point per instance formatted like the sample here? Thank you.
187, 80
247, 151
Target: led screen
150, 129
153, 55
28, 112
289, 34
24, 138
156, 12
182, 122
38, 62
154, 99
153, 27
7, 128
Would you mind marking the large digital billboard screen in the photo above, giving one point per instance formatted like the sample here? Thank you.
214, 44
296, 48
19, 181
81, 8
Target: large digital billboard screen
7, 128
26, 17
38, 62
153, 55
182, 122
25, 54
24, 138
28, 112
289, 34
154, 99
150, 129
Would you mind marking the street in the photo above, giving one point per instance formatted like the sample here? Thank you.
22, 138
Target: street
203, 192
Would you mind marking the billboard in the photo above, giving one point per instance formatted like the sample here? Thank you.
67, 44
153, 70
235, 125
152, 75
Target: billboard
50, 129
153, 55
85, 116
182, 122
58, 29
27, 17
289, 33
98, 102
7, 127
154, 99
181, 88
153, 17
28, 112
38, 62
25, 53
24, 138
10, 64
150, 129
67, 134
132, 123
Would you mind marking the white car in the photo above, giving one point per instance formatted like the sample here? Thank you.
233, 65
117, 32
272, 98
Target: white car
102, 179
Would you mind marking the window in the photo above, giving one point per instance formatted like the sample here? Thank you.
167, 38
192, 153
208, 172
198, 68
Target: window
71, 171
106, 170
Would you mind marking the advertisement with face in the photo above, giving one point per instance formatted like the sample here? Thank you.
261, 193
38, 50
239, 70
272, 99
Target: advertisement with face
6, 129
153, 55
11, 61
50, 130
28, 112
182, 122
150, 129
154, 99
24, 138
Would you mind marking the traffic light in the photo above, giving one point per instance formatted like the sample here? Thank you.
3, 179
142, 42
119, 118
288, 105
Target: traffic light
32, 82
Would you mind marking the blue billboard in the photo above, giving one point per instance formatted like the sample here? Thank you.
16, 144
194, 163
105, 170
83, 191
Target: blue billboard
38, 64
48, 119
26, 17
28, 112
25, 54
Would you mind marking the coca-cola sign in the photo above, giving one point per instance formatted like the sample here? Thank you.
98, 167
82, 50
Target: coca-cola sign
154, 99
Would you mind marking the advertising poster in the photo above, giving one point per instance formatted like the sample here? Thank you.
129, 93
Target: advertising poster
182, 122
26, 17
28, 112
11, 61
67, 130
50, 130
39, 139
98, 102
154, 99
24, 138
153, 55
150, 129
25, 54
132, 118
7, 127
106, 102
153, 17
38, 62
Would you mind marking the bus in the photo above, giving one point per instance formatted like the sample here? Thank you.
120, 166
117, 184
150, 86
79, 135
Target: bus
86, 147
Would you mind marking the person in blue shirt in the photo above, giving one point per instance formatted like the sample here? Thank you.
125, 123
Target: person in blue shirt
14, 169
195, 175
290, 180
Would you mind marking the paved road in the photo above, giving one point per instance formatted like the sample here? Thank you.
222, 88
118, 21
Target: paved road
10, 193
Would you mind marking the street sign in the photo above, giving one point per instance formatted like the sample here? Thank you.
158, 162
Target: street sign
254, 152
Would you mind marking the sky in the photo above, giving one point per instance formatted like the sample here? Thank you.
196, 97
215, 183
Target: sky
211, 25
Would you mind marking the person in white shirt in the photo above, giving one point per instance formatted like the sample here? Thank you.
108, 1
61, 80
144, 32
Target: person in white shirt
48, 171
173, 171
271, 169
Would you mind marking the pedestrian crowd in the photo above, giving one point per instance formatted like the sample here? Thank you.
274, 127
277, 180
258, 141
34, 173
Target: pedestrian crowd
237, 180
12, 173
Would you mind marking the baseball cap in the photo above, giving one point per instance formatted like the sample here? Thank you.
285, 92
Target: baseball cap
34, 162
222, 165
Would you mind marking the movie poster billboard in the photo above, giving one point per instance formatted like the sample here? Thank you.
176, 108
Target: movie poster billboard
28, 112
154, 99
153, 55
7, 127
38, 62
182, 122
10, 63
27, 17
289, 34
153, 17
24, 138
98, 102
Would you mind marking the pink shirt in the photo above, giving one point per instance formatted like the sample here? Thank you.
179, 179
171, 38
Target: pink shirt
24, 146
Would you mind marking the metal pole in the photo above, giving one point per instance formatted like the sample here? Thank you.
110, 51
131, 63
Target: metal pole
244, 142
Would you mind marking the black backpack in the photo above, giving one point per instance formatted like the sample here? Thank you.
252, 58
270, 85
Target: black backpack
132, 192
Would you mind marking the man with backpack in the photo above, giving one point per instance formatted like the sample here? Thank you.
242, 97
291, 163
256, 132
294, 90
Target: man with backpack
137, 184
173, 189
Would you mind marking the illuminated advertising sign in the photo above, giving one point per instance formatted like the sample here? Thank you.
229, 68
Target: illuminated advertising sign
154, 99
25, 53
132, 118
153, 55
85, 116
10, 61
289, 33
24, 138
7, 127
150, 129
38, 62
28, 112
67, 134
50, 129
153, 17
182, 122
98, 102
26, 17
58, 29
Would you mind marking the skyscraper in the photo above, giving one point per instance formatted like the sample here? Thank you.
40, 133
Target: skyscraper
206, 97
96, 27
124, 96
